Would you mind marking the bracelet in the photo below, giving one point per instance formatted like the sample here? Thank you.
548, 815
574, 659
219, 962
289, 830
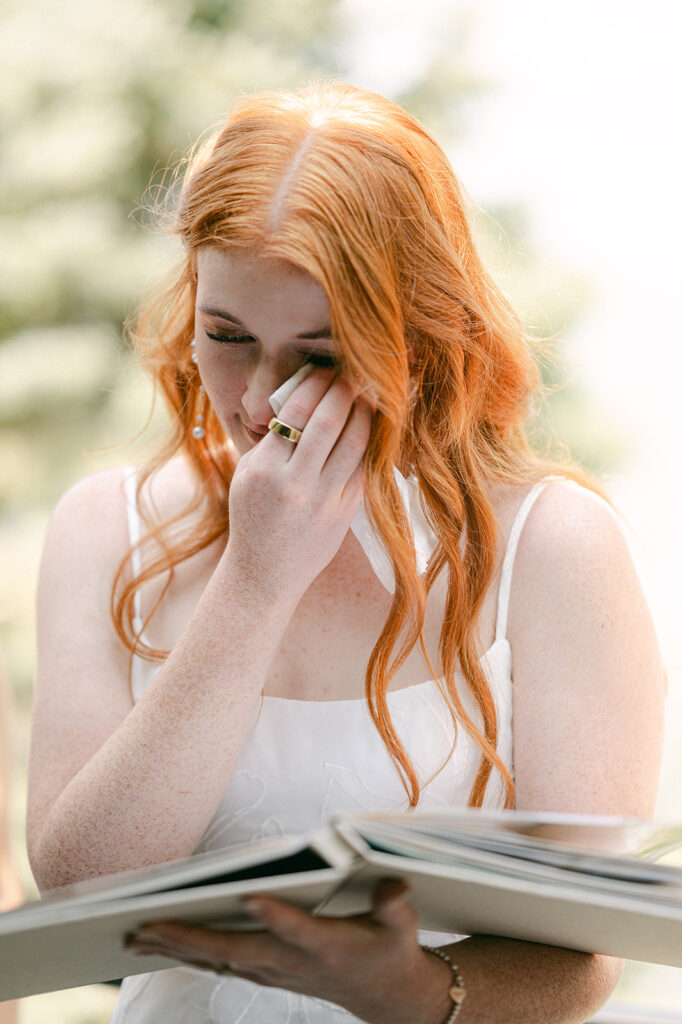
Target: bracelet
457, 991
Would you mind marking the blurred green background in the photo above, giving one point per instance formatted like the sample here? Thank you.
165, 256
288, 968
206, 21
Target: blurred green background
97, 99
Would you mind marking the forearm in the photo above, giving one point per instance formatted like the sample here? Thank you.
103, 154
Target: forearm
510, 982
149, 792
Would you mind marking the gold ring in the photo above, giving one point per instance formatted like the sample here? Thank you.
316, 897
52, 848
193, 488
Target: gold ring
284, 430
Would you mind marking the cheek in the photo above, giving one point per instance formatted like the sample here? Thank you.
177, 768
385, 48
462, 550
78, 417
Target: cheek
224, 376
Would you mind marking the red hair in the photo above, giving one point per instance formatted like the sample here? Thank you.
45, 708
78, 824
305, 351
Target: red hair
350, 188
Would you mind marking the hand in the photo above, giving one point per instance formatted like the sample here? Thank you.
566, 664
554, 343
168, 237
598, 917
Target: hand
291, 505
369, 964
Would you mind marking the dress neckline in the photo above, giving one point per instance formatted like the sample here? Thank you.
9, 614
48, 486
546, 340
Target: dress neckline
391, 694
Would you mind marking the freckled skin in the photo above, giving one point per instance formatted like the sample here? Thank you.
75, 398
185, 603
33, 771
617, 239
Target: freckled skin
116, 786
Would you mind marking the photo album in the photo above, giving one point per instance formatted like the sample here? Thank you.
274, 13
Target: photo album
597, 884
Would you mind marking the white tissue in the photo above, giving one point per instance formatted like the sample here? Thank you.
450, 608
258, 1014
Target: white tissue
425, 539
279, 397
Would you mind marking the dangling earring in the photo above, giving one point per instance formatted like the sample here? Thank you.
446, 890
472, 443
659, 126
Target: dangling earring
199, 431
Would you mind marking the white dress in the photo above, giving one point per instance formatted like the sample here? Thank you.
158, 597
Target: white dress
303, 761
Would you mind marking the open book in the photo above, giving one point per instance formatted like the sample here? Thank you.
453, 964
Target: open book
596, 884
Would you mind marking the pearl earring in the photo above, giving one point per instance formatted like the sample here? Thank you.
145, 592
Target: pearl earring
199, 431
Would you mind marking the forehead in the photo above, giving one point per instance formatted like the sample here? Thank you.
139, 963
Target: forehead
255, 286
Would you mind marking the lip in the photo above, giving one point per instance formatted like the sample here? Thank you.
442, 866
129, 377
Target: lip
255, 435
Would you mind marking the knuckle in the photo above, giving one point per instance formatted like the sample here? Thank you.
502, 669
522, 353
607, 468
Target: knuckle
294, 495
327, 423
260, 480
260, 473
329, 951
295, 413
356, 444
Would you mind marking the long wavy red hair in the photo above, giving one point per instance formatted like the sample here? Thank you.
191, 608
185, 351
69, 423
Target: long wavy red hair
350, 188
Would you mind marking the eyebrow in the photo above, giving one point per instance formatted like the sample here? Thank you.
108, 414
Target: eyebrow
322, 332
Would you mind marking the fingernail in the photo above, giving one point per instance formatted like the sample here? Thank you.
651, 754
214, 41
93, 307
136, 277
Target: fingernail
252, 906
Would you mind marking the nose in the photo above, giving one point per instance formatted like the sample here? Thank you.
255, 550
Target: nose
260, 384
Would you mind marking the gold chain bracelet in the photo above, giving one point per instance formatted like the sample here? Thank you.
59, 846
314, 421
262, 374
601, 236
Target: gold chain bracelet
457, 992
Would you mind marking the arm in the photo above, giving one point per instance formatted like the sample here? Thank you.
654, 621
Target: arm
588, 726
115, 786
112, 785
588, 697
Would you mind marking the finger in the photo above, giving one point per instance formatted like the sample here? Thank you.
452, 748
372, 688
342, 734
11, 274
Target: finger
243, 951
353, 492
298, 407
182, 941
369, 394
324, 427
349, 450
390, 906
285, 921
191, 958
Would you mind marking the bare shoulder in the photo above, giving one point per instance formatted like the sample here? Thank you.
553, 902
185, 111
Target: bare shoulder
573, 543
82, 688
85, 543
588, 679
88, 534
573, 560
569, 521
99, 501
89, 520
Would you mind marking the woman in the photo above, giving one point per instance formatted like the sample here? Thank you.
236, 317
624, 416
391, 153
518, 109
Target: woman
325, 229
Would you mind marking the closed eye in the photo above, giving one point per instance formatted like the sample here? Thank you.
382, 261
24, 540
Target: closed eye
229, 338
316, 358
321, 358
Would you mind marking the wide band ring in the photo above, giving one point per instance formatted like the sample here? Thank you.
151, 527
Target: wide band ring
284, 430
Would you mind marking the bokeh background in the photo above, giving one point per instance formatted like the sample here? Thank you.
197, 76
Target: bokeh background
561, 121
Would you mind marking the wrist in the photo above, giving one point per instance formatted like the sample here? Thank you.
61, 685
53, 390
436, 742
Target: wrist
257, 592
259, 575
422, 998
454, 986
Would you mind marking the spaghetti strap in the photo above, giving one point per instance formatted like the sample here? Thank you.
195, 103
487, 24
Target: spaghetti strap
134, 533
510, 555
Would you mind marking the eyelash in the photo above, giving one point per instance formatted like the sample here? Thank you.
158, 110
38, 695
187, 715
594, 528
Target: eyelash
227, 338
316, 358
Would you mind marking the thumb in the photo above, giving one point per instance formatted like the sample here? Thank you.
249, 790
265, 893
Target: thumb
390, 907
